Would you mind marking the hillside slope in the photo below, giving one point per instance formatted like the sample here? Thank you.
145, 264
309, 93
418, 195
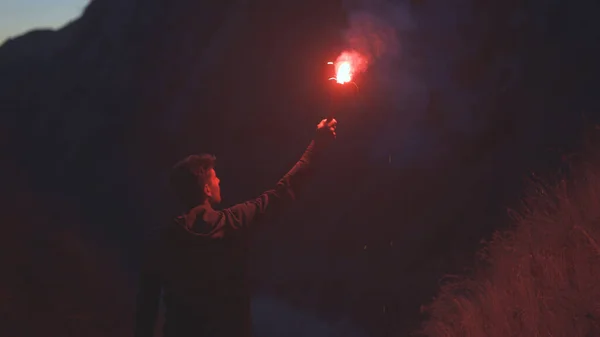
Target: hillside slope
539, 278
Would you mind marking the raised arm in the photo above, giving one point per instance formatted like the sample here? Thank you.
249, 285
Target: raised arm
203, 221
245, 214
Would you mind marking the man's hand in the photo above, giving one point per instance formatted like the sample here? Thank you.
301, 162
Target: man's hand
326, 130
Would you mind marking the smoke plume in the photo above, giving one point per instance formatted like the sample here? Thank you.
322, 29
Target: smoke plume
373, 29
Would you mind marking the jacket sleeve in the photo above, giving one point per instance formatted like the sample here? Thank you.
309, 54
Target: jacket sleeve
247, 213
148, 297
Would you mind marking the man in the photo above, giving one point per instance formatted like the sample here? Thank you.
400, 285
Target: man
199, 261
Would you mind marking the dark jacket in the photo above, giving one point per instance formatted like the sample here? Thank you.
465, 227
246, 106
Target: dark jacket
199, 265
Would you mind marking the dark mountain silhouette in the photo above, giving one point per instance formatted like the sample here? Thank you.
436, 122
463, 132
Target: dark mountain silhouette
93, 116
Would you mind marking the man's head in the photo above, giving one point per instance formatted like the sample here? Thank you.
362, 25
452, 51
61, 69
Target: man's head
195, 181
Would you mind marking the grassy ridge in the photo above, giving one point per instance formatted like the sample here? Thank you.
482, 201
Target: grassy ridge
539, 278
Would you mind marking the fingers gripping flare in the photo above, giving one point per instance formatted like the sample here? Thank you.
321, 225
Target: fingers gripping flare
328, 126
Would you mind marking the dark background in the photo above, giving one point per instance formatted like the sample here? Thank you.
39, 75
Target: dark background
462, 101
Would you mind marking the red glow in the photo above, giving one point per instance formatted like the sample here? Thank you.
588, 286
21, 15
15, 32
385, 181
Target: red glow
344, 72
347, 65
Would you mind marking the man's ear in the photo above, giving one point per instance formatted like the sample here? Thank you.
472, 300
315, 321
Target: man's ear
207, 190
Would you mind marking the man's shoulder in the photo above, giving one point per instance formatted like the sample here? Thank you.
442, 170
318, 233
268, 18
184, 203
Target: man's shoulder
197, 225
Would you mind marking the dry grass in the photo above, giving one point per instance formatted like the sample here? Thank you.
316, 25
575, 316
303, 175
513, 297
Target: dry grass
540, 278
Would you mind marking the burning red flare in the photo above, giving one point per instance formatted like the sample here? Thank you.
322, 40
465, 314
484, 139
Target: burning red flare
347, 65
344, 72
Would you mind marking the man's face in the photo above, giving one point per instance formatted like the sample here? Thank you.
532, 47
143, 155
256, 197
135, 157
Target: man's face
212, 188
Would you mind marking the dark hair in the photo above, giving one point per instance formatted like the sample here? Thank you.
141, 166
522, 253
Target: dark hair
189, 176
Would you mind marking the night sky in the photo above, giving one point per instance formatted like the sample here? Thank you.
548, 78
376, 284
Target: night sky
462, 102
